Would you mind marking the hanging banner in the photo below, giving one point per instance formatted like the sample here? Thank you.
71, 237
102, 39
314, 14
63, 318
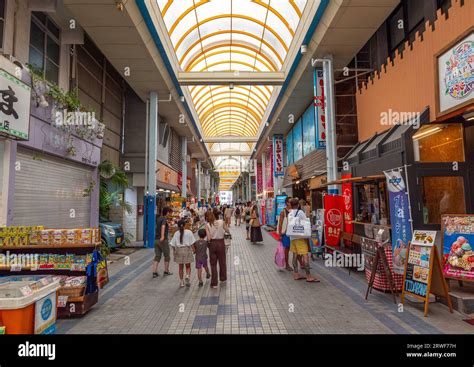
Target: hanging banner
399, 218
318, 83
259, 178
347, 195
333, 219
457, 232
280, 205
269, 170
270, 212
279, 169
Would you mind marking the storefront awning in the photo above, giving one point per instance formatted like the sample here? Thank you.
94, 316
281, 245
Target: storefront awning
356, 180
313, 164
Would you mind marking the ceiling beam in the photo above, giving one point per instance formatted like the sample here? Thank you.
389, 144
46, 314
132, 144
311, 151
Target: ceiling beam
231, 139
226, 77
226, 153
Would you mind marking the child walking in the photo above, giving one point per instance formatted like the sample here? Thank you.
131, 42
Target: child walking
182, 243
200, 251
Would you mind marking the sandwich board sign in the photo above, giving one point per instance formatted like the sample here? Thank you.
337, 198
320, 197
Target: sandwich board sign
423, 273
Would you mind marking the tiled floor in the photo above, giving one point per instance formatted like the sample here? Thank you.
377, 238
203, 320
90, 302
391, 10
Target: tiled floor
256, 299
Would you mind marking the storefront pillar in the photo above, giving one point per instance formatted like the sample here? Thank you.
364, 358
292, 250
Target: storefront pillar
199, 181
150, 213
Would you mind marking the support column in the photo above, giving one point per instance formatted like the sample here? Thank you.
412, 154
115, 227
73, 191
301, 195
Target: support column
184, 166
331, 150
152, 157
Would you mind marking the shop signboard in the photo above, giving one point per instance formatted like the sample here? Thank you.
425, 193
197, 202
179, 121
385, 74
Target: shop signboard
458, 238
456, 75
45, 315
423, 274
280, 205
399, 218
319, 109
278, 166
269, 170
259, 178
347, 195
270, 212
15, 98
333, 219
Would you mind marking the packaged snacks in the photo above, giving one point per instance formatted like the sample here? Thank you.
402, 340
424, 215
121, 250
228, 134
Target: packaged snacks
58, 236
86, 236
73, 236
45, 237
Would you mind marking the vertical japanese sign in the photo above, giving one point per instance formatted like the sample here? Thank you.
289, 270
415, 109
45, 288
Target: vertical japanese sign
278, 156
319, 109
399, 218
347, 195
14, 106
260, 187
333, 219
269, 169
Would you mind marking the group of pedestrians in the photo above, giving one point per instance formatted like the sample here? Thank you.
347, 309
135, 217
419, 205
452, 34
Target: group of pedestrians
210, 245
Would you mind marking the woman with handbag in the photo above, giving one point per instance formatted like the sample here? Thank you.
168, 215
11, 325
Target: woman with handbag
255, 226
216, 230
282, 226
299, 245
247, 215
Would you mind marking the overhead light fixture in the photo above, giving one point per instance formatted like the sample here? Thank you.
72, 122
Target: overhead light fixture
304, 49
119, 5
231, 86
468, 115
427, 132
182, 99
161, 190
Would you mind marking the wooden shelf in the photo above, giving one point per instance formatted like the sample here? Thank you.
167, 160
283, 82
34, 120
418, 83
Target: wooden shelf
46, 247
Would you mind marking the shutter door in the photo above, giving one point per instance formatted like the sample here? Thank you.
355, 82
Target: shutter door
47, 188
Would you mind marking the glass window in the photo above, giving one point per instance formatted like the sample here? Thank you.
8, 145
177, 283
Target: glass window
298, 141
44, 46
439, 143
442, 195
309, 128
396, 28
289, 148
372, 199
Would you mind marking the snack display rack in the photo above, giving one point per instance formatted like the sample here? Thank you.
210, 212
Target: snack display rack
71, 253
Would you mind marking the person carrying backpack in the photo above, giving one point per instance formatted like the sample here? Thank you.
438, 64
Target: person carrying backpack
237, 215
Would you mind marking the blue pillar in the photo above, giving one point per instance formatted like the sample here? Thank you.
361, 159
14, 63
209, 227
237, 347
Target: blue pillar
150, 213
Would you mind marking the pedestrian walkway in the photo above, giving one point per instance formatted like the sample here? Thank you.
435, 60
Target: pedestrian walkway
257, 298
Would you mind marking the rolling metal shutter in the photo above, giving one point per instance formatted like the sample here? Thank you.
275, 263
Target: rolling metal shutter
47, 188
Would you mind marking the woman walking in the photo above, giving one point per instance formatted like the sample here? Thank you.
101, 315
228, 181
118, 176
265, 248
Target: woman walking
255, 226
162, 247
216, 229
299, 246
182, 244
282, 226
247, 219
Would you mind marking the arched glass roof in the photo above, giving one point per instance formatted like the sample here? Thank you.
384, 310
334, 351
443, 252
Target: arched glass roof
231, 35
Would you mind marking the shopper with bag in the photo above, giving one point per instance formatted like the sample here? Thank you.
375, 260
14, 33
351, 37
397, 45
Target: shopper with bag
255, 226
247, 213
282, 226
299, 232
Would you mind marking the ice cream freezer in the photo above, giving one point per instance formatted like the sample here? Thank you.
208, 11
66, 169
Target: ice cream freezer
28, 304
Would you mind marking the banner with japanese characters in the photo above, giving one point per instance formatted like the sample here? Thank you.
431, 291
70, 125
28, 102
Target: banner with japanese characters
319, 109
333, 219
399, 218
15, 98
278, 167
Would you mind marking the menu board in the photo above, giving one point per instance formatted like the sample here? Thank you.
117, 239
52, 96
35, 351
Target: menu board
458, 239
423, 270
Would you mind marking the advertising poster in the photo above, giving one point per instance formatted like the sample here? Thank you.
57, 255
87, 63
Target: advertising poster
45, 315
333, 219
347, 195
278, 165
458, 239
456, 75
319, 109
270, 212
399, 218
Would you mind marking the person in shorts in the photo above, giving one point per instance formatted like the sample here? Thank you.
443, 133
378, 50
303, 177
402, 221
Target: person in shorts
162, 246
200, 253
282, 225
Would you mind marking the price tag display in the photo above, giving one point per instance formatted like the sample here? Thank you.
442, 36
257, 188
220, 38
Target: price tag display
62, 301
26, 291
